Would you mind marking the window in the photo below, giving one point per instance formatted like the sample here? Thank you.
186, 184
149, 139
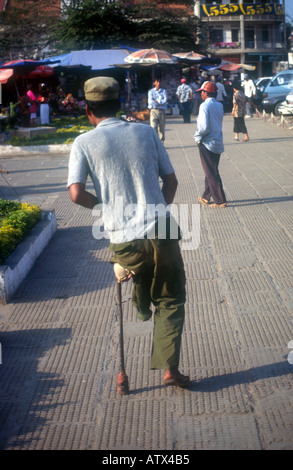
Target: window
265, 33
282, 79
235, 35
216, 35
249, 38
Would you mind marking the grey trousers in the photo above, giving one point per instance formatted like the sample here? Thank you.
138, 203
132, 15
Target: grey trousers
213, 183
158, 122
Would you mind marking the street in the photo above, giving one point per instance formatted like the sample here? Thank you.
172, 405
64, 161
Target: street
60, 332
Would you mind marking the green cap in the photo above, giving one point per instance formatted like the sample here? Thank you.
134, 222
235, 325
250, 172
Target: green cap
101, 89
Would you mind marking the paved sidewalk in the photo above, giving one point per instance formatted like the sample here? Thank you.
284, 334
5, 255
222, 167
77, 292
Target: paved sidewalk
59, 334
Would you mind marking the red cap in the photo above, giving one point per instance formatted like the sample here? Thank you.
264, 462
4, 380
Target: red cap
209, 86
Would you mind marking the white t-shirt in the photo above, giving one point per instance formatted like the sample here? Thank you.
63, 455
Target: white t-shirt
124, 161
249, 88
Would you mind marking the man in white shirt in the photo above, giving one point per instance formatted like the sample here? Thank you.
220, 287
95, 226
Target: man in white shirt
249, 91
157, 103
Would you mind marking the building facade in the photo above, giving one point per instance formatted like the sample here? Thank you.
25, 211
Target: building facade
245, 31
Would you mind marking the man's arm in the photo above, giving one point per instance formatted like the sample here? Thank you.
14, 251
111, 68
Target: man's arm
80, 196
165, 97
151, 100
202, 124
169, 188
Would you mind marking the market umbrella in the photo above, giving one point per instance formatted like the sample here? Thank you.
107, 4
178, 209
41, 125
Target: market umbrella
41, 71
5, 75
231, 67
23, 67
247, 67
194, 57
150, 57
27, 64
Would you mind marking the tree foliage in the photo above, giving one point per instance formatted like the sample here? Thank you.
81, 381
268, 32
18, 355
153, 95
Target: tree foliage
28, 27
24, 28
94, 24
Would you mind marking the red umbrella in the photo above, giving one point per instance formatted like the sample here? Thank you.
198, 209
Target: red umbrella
5, 74
41, 71
150, 57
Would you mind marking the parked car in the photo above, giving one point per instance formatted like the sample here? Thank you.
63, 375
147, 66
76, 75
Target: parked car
277, 90
286, 107
262, 82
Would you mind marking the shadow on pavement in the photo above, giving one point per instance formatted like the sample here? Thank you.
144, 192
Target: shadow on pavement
268, 200
27, 394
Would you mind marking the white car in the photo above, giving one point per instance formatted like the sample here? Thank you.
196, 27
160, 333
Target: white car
286, 107
262, 82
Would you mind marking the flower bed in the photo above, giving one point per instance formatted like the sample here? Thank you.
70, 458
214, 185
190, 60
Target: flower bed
68, 128
16, 220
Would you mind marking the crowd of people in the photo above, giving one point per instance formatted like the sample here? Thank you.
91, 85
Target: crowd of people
208, 99
235, 96
37, 105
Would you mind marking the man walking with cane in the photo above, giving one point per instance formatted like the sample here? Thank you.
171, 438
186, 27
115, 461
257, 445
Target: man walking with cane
125, 162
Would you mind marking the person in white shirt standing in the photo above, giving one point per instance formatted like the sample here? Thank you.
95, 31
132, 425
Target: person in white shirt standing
157, 103
249, 91
184, 95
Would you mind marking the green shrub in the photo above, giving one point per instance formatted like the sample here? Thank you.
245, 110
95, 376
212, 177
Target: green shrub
68, 128
16, 220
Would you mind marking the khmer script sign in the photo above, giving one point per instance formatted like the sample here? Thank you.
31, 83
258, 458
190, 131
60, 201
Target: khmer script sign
249, 9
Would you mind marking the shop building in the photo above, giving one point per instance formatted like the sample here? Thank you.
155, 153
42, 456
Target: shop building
251, 32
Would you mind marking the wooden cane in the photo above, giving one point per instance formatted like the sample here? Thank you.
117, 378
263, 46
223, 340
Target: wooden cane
122, 379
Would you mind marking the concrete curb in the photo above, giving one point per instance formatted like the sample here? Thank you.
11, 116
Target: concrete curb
11, 150
19, 263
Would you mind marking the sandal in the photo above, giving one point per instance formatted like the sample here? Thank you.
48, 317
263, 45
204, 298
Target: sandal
219, 205
203, 201
178, 381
